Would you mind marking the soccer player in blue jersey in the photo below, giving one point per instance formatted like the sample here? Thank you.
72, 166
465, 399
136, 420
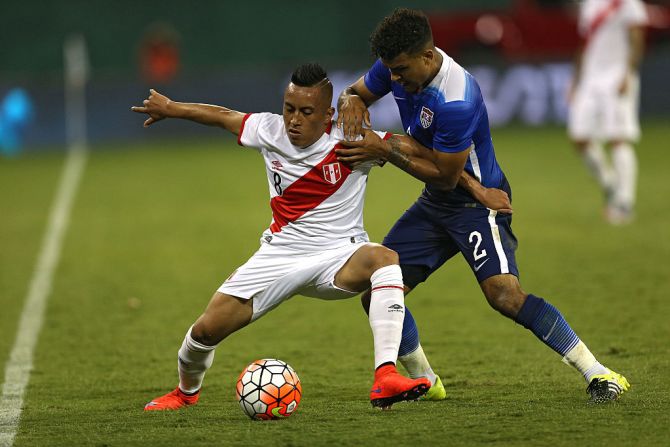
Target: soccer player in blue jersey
441, 106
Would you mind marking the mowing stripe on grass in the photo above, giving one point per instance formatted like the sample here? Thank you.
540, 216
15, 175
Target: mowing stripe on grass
20, 363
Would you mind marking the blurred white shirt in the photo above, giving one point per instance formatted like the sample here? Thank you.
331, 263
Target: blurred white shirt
605, 24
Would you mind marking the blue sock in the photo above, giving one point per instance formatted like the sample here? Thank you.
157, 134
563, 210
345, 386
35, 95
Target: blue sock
410, 335
547, 323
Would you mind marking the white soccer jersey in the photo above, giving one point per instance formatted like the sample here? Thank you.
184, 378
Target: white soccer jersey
316, 201
605, 24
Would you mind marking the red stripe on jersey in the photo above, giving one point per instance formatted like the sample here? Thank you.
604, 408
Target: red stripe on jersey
239, 135
601, 17
306, 193
387, 287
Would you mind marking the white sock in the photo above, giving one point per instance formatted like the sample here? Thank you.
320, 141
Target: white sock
387, 311
583, 361
596, 160
625, 166
194, 359
417, 365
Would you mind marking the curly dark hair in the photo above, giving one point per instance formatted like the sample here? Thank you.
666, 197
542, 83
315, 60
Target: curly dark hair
404, 31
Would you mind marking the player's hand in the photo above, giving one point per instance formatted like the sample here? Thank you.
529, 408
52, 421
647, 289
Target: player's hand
370, 147
497, 200
156, 106
351, 115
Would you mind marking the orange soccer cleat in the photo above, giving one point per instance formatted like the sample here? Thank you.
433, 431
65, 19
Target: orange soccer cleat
391, 387
172, 401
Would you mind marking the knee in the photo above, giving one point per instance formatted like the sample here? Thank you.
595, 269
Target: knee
383, 256
505, 299
204, 335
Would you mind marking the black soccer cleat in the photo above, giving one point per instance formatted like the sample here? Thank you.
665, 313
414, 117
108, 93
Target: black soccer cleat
607, 387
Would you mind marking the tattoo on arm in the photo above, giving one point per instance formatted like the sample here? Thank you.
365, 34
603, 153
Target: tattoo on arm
397, 156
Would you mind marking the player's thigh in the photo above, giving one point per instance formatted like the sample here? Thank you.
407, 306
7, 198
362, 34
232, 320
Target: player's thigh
621, 121
486, 241
355, 274
311, 274
261, 269
422, 241
224, 315
583, 115
271, 276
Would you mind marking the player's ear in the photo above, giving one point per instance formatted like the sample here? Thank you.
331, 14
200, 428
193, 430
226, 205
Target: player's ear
428, 55
329, 114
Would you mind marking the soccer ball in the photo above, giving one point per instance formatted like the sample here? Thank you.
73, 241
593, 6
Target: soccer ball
268, 389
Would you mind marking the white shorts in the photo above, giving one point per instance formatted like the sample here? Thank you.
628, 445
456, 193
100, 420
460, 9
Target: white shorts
605, 115
276, 273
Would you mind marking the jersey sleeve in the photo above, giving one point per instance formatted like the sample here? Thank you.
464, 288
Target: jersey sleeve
378, 79
635, 13
255, 129
456, 124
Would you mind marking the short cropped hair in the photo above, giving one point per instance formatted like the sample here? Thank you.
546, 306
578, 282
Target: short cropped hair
404, 31
309, 75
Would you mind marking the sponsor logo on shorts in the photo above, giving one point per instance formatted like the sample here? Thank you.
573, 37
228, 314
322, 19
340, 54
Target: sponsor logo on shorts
477, 267
276, 165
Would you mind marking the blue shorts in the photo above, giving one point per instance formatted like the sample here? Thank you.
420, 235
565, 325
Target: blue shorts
430, 233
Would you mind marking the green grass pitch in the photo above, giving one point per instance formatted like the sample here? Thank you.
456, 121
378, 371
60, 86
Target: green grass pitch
157, 227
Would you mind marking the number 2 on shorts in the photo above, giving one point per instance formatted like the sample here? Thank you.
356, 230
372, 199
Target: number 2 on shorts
478, 236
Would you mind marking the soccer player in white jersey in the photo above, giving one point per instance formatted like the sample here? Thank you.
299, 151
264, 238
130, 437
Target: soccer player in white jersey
604, 98
315, 246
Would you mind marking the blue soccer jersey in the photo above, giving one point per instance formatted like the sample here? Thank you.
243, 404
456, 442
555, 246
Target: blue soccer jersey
449, 115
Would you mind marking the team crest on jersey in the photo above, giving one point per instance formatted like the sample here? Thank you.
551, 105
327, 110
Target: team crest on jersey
426, 117
332, 173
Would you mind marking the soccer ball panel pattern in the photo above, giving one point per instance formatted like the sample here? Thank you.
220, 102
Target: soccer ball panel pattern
268, 389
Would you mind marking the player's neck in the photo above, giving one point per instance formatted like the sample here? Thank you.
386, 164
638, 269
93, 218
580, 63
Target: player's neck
437, 65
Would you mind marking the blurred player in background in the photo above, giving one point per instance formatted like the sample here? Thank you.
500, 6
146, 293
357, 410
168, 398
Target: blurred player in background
316, 245
604, 98
442, 108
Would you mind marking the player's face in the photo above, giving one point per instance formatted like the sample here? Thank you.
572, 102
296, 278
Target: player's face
412, 72
307, 114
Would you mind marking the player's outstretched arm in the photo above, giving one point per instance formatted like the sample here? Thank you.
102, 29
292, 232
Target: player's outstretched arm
352, 109
159, 107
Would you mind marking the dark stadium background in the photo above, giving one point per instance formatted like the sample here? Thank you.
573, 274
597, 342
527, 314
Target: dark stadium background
239, 53
159, 217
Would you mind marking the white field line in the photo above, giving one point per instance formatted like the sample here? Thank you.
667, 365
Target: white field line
20, 362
